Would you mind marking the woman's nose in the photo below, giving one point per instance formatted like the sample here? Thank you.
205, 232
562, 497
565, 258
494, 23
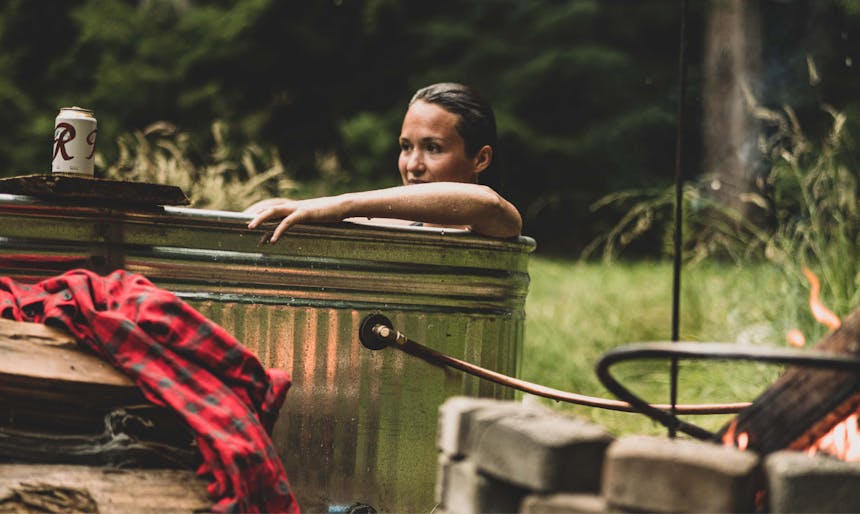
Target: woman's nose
415, 164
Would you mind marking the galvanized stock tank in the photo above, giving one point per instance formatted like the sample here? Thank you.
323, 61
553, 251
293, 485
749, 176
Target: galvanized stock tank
358, 426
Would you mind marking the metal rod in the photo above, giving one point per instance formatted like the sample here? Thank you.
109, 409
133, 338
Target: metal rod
679, 202
707, 351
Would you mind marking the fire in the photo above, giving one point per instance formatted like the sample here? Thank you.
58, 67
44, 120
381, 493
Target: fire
796, 338
729, 434
821, 313
742, 441
843, 440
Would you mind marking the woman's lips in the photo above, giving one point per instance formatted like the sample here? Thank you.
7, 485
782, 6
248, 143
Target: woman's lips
416, 181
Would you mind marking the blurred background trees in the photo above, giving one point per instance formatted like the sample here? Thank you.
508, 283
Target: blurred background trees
585, 91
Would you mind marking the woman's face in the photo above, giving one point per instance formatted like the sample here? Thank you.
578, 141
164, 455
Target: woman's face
431, 148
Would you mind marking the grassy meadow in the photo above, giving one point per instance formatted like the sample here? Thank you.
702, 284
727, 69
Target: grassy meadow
576, 311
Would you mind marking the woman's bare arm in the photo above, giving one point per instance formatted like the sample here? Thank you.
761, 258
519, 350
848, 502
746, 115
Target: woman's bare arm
472, 206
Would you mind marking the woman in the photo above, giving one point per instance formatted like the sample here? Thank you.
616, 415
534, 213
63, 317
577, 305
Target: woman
446, 141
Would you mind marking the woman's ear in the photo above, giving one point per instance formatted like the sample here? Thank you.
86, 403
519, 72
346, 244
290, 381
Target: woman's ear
483, 159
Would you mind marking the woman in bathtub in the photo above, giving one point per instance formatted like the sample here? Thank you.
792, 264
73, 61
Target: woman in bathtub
446, 142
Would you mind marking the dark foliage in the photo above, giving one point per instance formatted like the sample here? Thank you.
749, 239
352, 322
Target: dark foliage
585, 91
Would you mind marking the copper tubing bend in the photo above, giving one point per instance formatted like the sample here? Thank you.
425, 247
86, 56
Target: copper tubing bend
377, 332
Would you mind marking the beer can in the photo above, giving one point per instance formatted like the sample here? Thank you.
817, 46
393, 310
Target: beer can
74, 141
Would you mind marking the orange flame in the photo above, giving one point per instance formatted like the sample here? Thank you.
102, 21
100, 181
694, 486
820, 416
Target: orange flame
729, 434
843, 441
796, 338
821, 313
743, 441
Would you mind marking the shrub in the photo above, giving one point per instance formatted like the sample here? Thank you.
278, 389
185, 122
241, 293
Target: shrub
811, 216
225, 178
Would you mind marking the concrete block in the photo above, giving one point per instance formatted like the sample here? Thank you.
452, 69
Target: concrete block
563, 503
468, 491
453, 414
544, 453
656, 474
443, 472
799, 483
462, 418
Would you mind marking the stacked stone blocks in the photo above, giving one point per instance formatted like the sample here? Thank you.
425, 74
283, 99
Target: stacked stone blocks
504, 456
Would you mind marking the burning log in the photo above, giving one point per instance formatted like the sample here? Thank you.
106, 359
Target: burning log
803, 404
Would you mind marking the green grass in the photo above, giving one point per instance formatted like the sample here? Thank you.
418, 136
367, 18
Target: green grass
576, 311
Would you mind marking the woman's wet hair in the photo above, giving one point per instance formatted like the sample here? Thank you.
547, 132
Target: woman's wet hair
476, 125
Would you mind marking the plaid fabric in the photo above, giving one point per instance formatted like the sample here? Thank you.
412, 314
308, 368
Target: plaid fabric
181, 360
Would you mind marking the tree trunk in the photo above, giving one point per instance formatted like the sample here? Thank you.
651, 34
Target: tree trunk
732, 64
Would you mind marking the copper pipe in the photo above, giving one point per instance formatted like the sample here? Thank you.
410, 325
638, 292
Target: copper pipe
377, 332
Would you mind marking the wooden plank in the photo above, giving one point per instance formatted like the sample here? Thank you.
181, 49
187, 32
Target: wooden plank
803, 403
40, 352
35, 331
59, 403
63, 187
47, 379
65, 488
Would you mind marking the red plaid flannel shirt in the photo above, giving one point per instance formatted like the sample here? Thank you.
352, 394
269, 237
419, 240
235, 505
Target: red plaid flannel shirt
181, 360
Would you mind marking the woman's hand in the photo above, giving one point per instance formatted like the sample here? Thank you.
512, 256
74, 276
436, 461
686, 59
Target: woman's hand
327, 208
264, 204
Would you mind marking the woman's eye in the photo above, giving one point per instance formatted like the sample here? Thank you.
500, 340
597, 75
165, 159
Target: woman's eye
405, 147
433, 148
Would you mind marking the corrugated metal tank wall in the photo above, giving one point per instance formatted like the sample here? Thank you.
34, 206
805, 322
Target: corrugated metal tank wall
358, 426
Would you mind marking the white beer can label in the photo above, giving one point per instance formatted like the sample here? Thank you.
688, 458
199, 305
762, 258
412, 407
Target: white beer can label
74, 141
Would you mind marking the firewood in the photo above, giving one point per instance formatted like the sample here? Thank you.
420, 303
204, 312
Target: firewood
59, 403
64, 488
93, 190
46, 379
803, 403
